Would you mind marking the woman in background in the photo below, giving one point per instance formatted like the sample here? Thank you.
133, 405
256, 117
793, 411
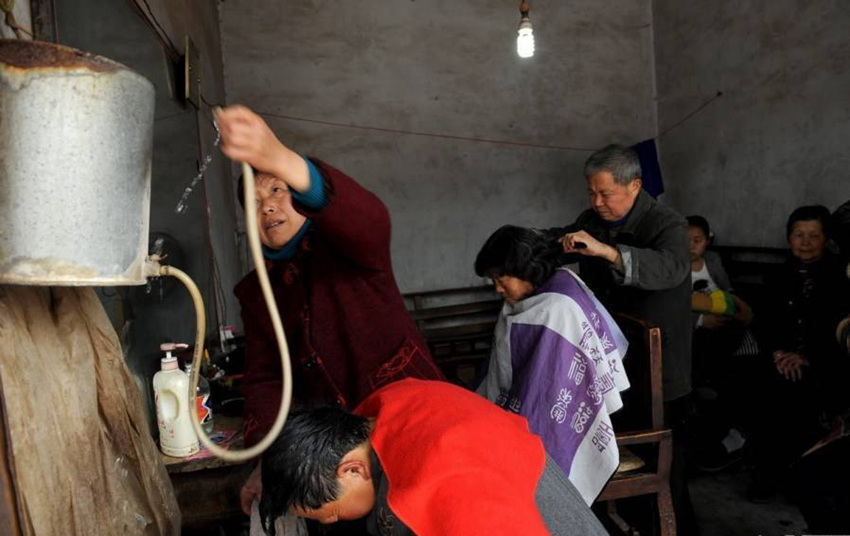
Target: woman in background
805, 384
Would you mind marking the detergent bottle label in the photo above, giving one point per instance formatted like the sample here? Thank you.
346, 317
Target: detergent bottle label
203, 408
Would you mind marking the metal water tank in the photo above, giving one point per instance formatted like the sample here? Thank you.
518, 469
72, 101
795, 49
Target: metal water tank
76, 137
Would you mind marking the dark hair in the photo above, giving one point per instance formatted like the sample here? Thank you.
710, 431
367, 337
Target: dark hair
620, 161
701, 223
809, 213
519, 252
299, 469
240, 187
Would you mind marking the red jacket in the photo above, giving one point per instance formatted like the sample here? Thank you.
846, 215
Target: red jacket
345, 320
456, 463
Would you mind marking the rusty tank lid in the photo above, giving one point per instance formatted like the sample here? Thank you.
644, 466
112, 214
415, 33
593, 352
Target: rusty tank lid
24, 61
27, 55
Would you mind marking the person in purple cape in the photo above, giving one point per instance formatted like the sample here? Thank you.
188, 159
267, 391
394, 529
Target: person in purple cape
557, 355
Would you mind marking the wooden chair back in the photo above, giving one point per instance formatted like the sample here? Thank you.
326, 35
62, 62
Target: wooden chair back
643, 402
640, 425
457, 325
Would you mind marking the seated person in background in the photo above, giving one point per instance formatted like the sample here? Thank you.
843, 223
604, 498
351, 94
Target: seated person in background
707, 277
421, 457
720, 327
326, 241
806, 385
556, 356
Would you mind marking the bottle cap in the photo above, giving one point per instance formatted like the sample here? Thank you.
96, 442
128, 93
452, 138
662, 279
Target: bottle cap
169, 362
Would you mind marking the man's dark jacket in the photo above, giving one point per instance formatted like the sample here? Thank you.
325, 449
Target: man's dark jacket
657, 285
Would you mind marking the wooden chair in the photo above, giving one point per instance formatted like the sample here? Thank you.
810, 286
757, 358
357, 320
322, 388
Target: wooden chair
640, 424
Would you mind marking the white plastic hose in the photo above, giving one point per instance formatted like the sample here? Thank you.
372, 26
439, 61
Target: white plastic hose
200, 316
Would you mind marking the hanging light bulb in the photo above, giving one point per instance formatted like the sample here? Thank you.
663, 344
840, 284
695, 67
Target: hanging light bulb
525, 34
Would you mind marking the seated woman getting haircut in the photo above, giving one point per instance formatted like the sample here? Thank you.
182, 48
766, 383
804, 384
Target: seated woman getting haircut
557, 355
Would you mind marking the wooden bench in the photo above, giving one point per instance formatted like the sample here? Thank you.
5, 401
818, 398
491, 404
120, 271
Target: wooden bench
750, 267
457, 325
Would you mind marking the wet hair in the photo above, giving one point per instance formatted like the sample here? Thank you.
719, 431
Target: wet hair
240, 187
299, 469
809, 213
620, 161
518, 252
700, 223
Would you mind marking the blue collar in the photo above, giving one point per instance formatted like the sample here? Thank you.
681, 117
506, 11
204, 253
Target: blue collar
287, 251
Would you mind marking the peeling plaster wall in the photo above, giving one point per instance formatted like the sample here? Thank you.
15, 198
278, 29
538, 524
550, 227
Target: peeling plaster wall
450, 68
778, 136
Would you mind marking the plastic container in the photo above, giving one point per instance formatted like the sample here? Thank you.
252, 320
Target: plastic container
171, 392
203, 404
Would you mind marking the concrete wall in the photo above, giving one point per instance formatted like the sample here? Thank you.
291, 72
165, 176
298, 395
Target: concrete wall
777, 138
451, 68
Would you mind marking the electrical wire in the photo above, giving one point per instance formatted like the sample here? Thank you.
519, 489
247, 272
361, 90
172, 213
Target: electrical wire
428, 134
698, 109
163, 39
155, 21
687, 117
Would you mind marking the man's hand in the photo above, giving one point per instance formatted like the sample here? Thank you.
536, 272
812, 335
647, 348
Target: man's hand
582, 243
252, 490
790, 364
245, 137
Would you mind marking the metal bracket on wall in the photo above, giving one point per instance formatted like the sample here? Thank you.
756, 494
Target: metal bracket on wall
192, 73
43, 15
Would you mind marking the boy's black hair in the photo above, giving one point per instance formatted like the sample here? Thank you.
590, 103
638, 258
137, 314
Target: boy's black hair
518, 252
809, 213
299, 469
700, 223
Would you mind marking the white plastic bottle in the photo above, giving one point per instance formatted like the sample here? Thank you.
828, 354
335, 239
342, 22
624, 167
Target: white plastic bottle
203, 405
171, 391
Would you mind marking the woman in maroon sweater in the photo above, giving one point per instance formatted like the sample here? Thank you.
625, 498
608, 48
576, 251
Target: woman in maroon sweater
327, 247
